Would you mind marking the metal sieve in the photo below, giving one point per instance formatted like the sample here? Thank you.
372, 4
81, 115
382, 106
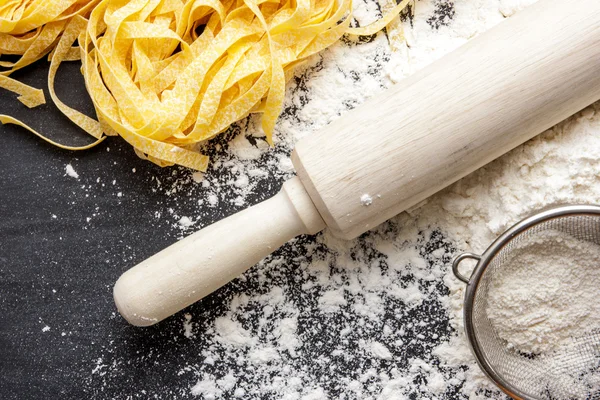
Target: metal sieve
571, 371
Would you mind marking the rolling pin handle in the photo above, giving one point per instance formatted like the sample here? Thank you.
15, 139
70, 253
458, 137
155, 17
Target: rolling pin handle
196, 266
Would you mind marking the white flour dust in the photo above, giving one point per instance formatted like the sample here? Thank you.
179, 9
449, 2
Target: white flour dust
366, 200
546, 293
378, 317
70, 171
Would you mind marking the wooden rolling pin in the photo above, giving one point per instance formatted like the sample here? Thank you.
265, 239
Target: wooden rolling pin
458, 114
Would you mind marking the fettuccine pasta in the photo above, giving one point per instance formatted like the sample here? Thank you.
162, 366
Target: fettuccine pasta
31, 29
168, 74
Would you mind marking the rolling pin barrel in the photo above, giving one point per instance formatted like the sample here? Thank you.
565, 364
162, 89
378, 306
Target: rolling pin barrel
490, 95
463, 111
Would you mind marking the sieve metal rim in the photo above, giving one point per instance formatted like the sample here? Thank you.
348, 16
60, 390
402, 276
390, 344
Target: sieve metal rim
475, 278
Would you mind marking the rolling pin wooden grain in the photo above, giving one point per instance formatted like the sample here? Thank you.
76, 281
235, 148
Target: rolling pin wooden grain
485, 98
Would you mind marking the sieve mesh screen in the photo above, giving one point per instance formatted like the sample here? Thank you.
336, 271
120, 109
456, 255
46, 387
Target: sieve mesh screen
572, 370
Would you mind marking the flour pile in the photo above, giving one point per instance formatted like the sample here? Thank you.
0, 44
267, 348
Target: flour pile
545, 294
379, 317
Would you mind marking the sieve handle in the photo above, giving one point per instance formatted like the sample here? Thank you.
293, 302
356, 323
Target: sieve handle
458, 260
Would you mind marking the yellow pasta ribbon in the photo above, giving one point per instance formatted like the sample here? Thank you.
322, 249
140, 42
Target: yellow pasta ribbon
166, 75
31, 30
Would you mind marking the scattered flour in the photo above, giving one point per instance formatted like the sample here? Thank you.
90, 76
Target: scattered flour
380, 351
185, 222
546, 292
332, 300
207, 388
188, 326
230, 332
213, 200
243, 149
71, 172
366, 200
198, 176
